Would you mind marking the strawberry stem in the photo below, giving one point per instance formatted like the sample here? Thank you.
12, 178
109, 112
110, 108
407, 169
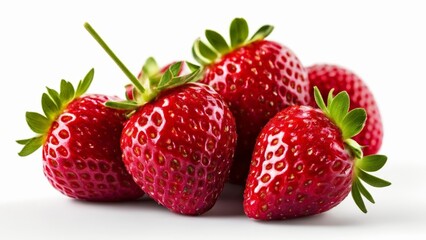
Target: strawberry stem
114, 57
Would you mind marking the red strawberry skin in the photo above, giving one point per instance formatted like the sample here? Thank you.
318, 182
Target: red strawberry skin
82, 155
326, 77
299, 167
256, 81
179, 148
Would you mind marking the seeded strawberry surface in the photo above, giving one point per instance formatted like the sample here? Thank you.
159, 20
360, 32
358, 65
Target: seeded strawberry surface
326, 77
179, 147
256, 81
82, 156
299, 166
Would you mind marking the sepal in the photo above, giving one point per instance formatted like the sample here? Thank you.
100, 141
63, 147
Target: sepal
356, 195
207, 53
37, 122
372, 180
369, 163
337, 109
150, 68
124, 105
84, 85
262, 33
372, 163
354, 147
30, 146
170, 78
217, 41
238, 32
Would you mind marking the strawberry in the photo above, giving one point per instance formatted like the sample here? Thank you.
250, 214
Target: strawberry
305, 161
327, 77
179, 143
80, 138
257, 78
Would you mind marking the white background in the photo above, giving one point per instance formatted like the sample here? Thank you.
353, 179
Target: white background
42, 42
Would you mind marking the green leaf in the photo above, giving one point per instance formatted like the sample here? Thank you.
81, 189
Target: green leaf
37, 122
136, 94
372, 180
67, 92
357, 197
124, 105
192, 67
23, 141
150, 68
330, 97
355, 148
262, 33
372, 163
206, 51
353, 122
364, 191
319, 100
186, 78
55, 97
217, 41
175, 68
177, 81
197, 55
84, 85
339, 107
167, 76
153, 80
238, 32
194, 76
49, 106
31, 146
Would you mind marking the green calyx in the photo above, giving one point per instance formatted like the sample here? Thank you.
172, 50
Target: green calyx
351, 123
363, 165
53, 103
239, 31
152, 81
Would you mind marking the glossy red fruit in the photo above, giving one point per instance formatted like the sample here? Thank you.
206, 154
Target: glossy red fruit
179, 148
305, 162
294, 169
257, 78
80, 138
179, 143
327, 77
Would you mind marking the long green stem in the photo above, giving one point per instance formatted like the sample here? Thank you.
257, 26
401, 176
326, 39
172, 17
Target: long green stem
114, 57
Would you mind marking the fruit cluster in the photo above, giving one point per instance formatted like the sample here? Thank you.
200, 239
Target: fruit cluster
251, 114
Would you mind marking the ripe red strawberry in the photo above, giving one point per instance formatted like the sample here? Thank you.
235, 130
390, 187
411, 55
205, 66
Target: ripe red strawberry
257, 78
305, 162
327, 77
179, 143
81, 144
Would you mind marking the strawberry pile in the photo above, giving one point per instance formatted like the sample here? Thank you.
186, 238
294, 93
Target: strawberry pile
251, 114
